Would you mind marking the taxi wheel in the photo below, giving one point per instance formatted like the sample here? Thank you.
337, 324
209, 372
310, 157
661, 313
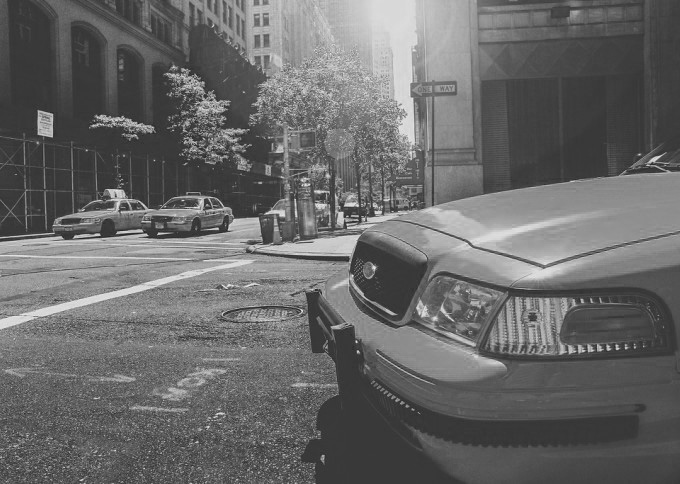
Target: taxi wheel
195, 227
152, 233
108, 229
224, 227
68, 236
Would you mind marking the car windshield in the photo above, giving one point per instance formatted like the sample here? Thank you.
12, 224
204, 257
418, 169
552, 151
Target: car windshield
665, 157
100, 205
351, 198
280, 205
181, 203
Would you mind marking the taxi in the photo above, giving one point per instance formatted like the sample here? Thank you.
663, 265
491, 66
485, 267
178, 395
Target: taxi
188, 214
524, 336
105, 217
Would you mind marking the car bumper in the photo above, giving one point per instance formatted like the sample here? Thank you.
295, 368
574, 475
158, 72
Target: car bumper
488, 434
166, 227
77, 229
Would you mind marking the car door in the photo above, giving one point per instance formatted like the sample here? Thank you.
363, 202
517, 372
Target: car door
138, 211
209, 214
220, 211
124, 221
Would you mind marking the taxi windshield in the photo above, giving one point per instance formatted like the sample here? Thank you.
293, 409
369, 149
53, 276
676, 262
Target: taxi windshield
181, 203
100, 205
280, 205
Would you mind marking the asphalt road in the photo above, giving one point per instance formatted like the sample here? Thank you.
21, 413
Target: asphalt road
116, 364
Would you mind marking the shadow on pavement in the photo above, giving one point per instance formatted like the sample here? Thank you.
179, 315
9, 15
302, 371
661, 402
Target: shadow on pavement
368, 453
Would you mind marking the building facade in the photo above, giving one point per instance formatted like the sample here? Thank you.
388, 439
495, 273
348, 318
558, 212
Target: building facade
383, 63
350, 22
286, 32
546, 91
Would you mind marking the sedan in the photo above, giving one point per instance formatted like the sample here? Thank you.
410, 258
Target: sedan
525, 336
188, 214
104, 217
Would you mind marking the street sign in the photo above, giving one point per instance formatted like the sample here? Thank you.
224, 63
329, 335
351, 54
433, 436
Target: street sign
438, 88
45, 124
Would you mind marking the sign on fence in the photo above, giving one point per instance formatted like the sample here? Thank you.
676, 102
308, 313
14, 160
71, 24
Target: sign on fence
45, 124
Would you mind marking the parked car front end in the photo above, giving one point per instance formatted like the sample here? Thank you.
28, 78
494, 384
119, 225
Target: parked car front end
188, 214
525, 336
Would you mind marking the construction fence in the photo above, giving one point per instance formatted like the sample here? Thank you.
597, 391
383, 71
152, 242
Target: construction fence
40, 181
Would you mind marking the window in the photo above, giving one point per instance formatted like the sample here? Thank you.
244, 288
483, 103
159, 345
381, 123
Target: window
238, 25
161, 28
265, 19
243, 28
231, 18
192, 14
130, 9
256, 20
258, 60
210, 4
256, 2
265, 58
265, 40
224, 12
256, 43
129, 88
87, 74
200, 17
265, 2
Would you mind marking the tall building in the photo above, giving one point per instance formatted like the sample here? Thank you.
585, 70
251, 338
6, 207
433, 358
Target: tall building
546, 92
350, 22
285, 32
227, 18
383, 63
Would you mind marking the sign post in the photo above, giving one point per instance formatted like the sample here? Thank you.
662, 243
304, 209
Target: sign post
433, 89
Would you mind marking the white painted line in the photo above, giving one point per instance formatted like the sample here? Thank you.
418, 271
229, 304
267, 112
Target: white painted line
21, 256
159, 409
78, 303
314, 385
221, 359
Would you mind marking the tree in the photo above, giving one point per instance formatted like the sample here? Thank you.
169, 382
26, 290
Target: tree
200, 121
118, 128
328, 93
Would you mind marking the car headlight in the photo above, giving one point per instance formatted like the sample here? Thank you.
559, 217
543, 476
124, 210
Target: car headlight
180, 219
146, 218
456, 309
90, 220
579, 326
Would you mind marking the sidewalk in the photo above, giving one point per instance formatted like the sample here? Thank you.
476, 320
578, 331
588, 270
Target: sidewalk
330, 245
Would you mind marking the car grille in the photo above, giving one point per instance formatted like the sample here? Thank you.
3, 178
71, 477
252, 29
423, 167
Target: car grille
502, 433
70, 221
399, 269
161, 218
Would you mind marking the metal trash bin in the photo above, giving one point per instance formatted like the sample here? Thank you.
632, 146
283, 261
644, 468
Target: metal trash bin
307, 218
267, 224
287, 231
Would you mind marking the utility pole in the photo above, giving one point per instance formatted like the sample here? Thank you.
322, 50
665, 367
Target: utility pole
287, 193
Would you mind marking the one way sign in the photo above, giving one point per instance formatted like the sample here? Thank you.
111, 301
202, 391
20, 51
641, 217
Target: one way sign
438, 88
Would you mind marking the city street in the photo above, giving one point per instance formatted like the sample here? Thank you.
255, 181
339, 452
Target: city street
117, 365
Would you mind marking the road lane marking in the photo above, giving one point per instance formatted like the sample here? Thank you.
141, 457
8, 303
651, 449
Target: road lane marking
192, 381
22, 372
78, 303
159, 409
221, 359
22, 256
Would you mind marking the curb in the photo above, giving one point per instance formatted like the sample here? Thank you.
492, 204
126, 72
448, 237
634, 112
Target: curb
251, 249
8, 238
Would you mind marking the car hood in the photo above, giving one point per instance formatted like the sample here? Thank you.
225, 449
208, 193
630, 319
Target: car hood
549, 224
175, 212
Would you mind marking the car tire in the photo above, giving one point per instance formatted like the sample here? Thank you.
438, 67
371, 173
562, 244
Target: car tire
108, 229
152, 233
195, 227
67, 236
224, 226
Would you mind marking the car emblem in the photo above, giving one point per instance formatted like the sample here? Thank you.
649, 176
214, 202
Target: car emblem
368, 270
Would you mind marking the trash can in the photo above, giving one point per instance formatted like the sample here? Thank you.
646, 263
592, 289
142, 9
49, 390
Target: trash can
267, 223
307, 218
287, 231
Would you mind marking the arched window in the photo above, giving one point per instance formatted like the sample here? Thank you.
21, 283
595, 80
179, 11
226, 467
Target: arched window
87, 74
129, 85
30, 58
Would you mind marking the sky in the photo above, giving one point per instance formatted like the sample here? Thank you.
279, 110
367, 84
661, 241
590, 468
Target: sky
398, 18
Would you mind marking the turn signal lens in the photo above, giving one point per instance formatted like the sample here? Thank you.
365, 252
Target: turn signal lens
456, 309
579, 326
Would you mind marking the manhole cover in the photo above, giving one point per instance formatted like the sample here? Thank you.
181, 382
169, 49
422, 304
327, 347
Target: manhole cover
262, 314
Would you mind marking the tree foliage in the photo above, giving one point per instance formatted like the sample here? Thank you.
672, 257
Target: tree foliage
121, 127
199, 120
